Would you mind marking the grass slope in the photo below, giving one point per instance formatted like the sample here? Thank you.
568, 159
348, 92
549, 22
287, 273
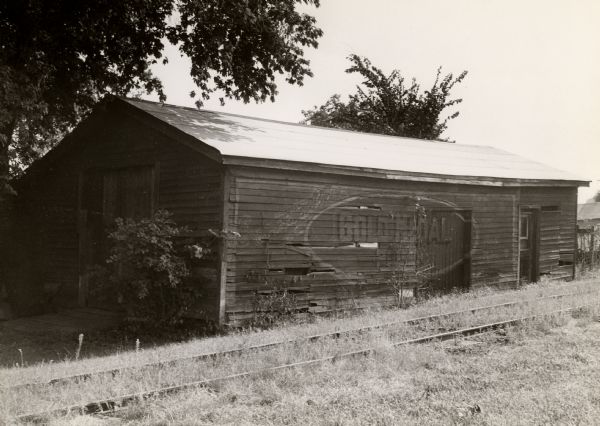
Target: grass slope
420, 384
547, 373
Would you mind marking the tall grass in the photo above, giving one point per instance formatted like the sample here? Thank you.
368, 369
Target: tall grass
141, 379
546, 372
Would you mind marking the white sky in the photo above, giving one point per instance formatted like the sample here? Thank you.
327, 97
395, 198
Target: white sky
534, 70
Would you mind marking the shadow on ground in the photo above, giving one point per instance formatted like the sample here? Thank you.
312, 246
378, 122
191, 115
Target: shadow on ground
55, 337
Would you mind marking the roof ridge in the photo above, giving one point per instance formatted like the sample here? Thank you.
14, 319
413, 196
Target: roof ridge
290, 123
278, 140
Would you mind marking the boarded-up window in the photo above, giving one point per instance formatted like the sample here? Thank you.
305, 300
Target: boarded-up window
128, 192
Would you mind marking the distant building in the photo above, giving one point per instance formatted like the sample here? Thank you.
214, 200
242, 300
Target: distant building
588, 215
337, 218
588, 228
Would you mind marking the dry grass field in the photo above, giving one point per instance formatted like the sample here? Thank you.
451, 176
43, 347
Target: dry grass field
543, 372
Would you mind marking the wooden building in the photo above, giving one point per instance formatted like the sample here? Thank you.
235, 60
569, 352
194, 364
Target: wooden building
340, 219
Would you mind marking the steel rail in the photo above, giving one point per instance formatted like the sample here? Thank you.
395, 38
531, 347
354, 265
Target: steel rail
116, 404
336, 334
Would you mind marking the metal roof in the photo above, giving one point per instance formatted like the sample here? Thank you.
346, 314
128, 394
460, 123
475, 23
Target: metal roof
247, 137
588, 211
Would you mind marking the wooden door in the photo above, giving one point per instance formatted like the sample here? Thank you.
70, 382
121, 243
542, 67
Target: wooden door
443, 249
528, 245
105, 195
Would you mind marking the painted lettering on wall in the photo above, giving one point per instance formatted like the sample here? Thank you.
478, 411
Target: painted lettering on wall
364, 227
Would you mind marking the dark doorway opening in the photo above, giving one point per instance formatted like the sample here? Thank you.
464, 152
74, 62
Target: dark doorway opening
529, 224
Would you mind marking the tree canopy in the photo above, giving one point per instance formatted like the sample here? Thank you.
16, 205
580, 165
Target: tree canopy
388, 104
58, 57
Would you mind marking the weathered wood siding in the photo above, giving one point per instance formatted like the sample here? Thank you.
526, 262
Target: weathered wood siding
6, 202
558, 221
44, 268
290, 225
186, 183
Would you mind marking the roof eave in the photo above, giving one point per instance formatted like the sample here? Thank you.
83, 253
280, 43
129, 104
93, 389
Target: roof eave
396, 175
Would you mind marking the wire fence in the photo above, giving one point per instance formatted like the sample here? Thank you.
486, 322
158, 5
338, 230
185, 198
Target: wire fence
588, 247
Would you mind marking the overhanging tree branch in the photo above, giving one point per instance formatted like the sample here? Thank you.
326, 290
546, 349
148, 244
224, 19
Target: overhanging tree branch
58, 58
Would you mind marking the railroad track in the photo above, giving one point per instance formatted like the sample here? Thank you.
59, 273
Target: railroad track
117, 404
254, 348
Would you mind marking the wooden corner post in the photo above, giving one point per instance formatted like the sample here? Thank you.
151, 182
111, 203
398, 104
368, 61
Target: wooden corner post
223, 244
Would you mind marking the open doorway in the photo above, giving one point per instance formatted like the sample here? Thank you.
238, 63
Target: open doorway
529, 225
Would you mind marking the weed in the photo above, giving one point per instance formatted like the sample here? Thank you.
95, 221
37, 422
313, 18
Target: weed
78, 350
273, 306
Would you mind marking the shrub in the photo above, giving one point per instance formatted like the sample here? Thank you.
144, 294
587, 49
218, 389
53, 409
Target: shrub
146, 270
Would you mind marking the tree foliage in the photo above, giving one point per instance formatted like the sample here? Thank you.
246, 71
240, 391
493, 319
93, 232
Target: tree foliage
58, 57
388, 104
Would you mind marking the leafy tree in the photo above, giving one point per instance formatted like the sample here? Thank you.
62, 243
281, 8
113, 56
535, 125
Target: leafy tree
387, 104
58, 57
596, 198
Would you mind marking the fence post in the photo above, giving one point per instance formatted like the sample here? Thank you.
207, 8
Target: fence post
592, 246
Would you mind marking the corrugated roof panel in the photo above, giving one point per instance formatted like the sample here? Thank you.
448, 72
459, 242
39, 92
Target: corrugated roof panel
239, 136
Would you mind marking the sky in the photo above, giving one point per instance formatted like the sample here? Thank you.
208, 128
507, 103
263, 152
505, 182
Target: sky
533, 83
